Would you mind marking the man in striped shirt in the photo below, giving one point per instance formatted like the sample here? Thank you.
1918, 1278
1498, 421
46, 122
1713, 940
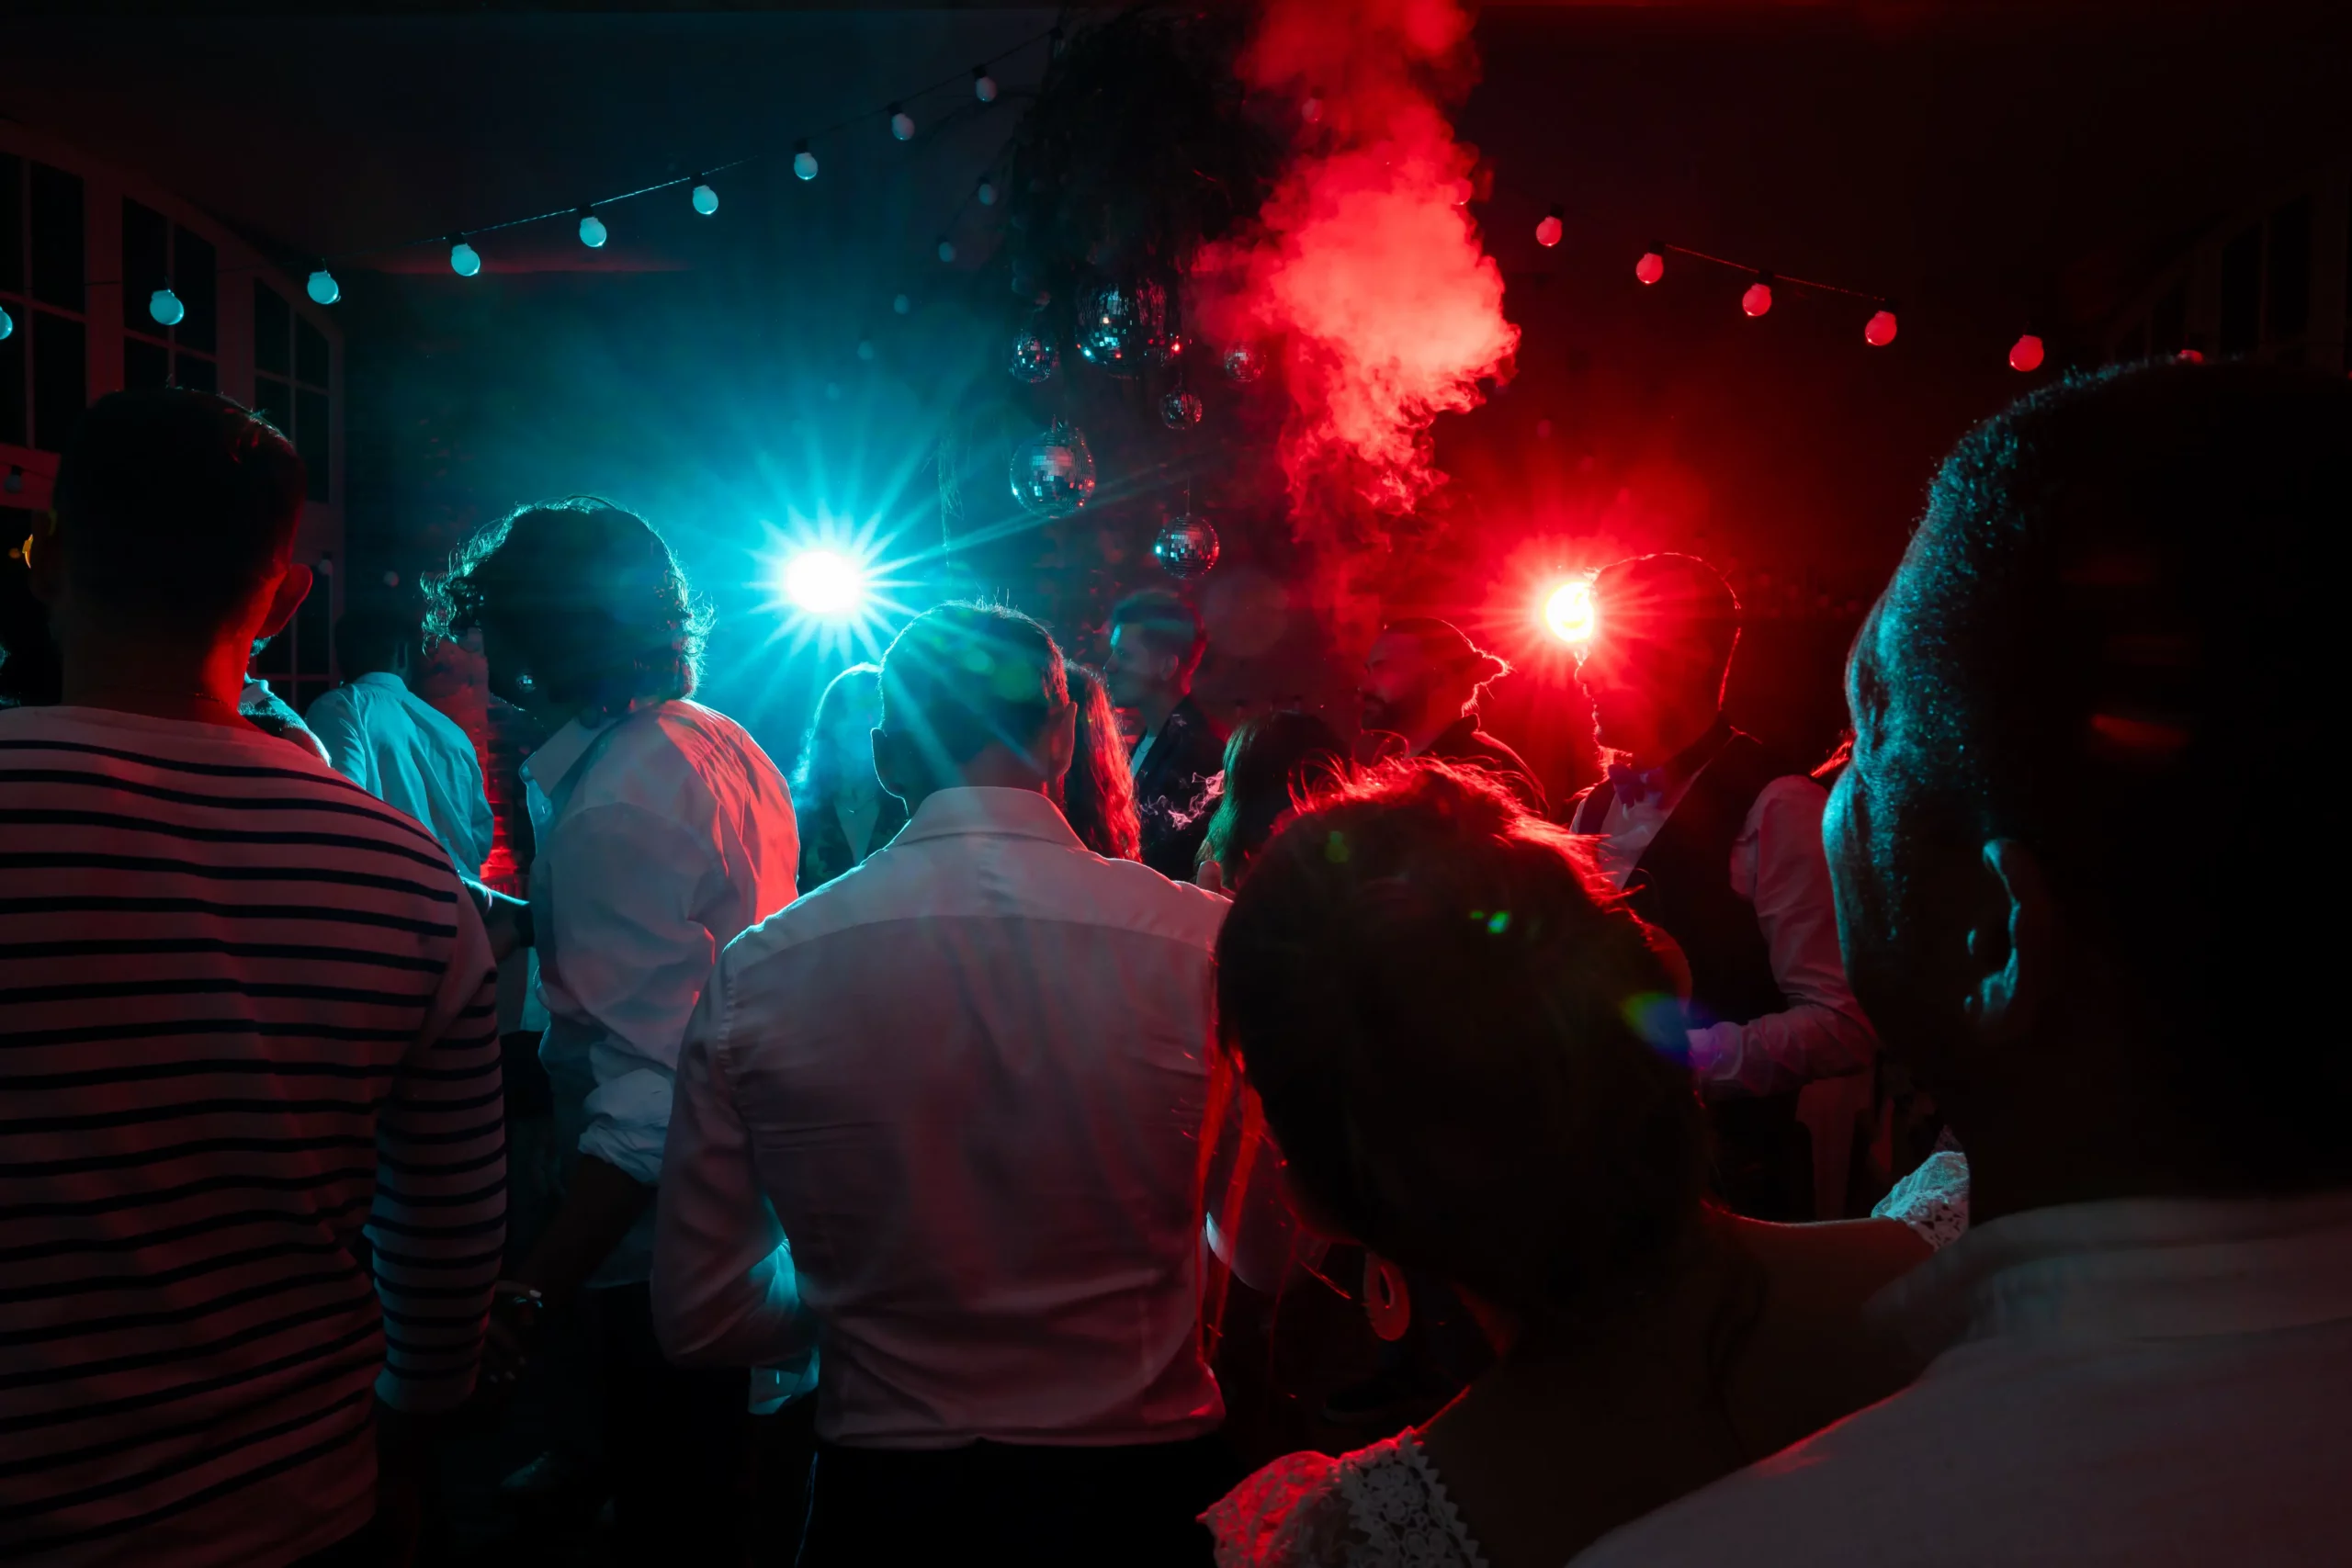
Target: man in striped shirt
247, 1041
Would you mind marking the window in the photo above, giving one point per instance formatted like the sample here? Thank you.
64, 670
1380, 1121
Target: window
44, 379
159, 253
292, 367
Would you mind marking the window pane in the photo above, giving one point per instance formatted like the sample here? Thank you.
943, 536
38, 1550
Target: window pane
57, 237
144, 364
310, 353
197, 373
273, 345
2290, 270
61, 378
311, 440
146, 263
193, 276
2242, 293
310, 641
12, 385
12, 224
274, 401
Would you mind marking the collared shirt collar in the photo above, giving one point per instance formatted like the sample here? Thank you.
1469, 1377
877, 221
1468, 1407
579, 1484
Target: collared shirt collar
1013, 813
382, 678
2133, 1268
546, 766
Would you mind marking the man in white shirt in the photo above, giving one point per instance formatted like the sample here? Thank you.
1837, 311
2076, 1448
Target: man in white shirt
662, 830
1719, 844
394, 744
2144, 1345
966, 1081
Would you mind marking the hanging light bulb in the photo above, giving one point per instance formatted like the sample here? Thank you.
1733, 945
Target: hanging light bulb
946, 249
165, 306
1651, 268
592, 229
706, 199
464, 260
1758, 298
804, 162
8, 325
902, 124
901, 304
322, 287
986, 194
1879, 331
1547, 233
2025, 355
983, 84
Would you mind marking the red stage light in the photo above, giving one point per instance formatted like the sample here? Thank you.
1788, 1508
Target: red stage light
2025, 355
1758, 298
1568, 611
1651, 268
1880, 330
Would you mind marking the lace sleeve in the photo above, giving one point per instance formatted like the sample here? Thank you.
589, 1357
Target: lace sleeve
1932, 1199
1292, 1514
1383, 1506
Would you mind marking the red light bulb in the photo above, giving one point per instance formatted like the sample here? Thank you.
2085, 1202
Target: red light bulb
1758, 298
2025, 355
1547, 233
1880, 330
1651, 268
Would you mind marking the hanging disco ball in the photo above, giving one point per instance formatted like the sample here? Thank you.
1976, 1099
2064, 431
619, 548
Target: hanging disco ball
1122, 326
1035, 358
1244, 362
1179, 410
1186, 548
1052, 472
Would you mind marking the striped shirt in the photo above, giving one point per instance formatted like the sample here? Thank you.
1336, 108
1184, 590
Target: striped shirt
246, 1043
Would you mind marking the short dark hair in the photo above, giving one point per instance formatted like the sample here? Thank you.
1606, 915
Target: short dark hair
2114, 606
1468, 1050
965, 674
1449, 646
373, 632
594, 594
1669, 598
1170, 620
1271, 762
175, 504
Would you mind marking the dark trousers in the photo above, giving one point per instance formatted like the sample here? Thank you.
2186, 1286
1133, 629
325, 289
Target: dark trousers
1042, 1508
673, 1442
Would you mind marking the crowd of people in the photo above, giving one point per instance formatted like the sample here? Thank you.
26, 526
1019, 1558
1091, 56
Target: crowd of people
944, 1109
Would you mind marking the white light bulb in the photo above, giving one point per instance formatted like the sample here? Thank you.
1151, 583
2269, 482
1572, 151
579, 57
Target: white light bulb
706, 200
592, 231
804, 162
902, 124
323, 288
464, 260
8, 325
165, 306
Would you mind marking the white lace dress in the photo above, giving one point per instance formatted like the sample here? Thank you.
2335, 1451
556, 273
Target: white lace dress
1378, 1507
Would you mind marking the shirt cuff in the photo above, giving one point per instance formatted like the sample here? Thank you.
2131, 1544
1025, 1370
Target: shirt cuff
628, 1121
1716, 1055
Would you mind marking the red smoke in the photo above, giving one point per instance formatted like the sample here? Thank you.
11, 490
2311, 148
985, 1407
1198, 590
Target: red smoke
1365, 263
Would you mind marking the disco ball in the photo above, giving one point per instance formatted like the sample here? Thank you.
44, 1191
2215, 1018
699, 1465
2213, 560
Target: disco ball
1244, 362
1179, 410
1121, 327
1186, 548
1052, 472
1035, 358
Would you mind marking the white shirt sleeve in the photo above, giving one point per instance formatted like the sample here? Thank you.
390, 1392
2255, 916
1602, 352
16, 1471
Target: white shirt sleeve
631, 954
334, 719
1778, 865
724, 1288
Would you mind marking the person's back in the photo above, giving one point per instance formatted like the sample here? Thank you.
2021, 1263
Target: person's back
2143, 1343
248, 1043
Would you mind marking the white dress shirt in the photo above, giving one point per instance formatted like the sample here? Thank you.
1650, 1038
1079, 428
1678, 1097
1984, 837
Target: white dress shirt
2152, 1381
413, 757
661, 836
966, 1080
1777, 865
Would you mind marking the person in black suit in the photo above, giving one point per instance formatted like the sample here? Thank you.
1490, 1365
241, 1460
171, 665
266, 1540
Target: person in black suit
1156, 642
1422, 681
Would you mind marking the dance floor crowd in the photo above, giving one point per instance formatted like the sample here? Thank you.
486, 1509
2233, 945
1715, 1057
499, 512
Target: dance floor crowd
1047, 1129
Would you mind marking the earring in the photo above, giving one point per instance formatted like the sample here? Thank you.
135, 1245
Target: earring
1385, 1302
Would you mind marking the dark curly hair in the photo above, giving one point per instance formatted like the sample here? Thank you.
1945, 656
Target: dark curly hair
1467, 1048
592, 596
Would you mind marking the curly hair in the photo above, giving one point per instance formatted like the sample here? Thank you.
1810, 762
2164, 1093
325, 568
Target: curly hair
591, 595
1098, 793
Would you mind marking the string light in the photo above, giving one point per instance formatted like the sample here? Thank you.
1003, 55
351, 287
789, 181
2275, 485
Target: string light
2025, 355
322, 287
1758, 298
983, 84
1879, 331
1651, 268
592, 229
165, 306
946, 249
986, 194
1547, 233
464, 260
706, 199
902, 124
804, 162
